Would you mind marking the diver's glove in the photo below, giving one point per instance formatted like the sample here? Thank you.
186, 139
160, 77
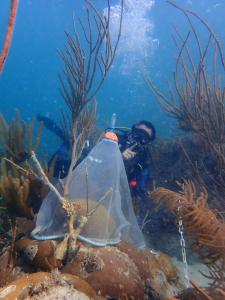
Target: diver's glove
128, 153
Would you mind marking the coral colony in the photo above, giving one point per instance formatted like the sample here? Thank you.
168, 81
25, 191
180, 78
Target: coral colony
72, 268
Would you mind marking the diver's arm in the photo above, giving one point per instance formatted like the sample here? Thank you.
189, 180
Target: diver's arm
128, 153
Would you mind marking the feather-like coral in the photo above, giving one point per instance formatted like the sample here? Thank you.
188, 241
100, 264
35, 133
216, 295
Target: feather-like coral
204, 227
15, 190
22, 193
20, 188
17, 138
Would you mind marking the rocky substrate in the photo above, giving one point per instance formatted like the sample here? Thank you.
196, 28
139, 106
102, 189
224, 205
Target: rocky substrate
121, 272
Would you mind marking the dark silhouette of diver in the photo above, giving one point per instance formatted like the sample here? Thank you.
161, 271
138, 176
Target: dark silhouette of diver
62, 156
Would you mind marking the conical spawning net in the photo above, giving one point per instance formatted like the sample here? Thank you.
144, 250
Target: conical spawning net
99, 180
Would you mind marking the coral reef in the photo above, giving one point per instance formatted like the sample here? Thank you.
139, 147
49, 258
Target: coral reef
197, 100
204, 227
161, 277
39, 254
122, 271
22, 193
115, 276
42, 285
111, 271
21, 190
14, 190
125, 270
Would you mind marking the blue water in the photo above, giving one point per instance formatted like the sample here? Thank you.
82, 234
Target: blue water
29, 81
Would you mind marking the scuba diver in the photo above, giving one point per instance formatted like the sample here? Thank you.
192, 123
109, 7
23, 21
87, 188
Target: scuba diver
133, 144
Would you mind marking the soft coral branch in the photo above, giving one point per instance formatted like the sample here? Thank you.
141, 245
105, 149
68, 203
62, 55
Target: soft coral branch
9, 33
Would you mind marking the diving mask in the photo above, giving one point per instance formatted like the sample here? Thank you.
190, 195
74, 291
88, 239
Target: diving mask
140, 136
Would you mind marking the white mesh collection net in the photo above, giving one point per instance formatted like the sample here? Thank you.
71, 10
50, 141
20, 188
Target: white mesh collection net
100, 175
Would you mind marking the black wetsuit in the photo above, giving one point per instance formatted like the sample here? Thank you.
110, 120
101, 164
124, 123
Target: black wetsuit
138, 174
137, 168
